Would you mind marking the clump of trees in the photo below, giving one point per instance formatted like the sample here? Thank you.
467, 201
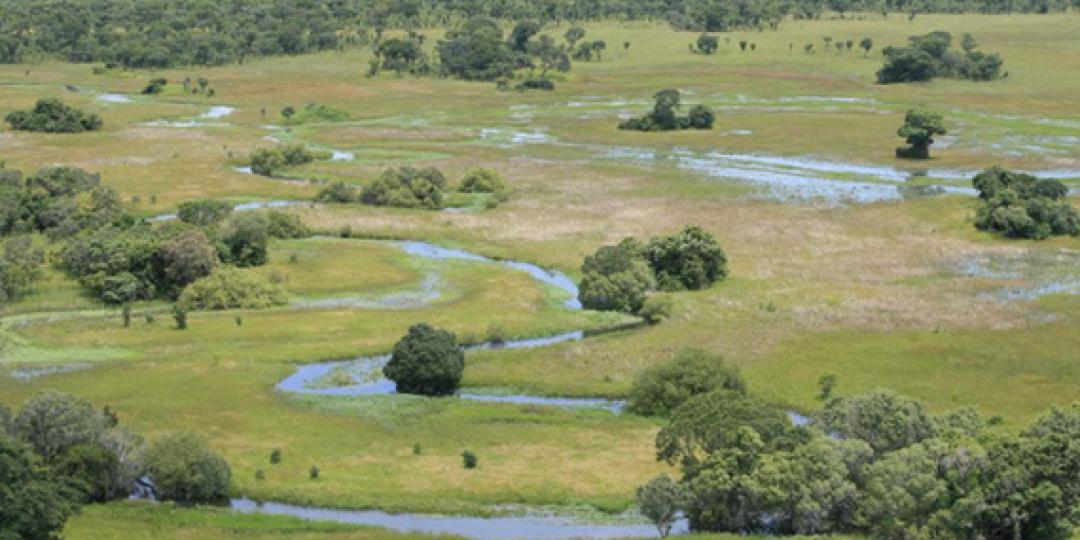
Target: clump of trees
401, 55
232, 288
481, 180
876, 464
1020, 205
664, 116
619, 277
920, 127
57, 452
314, 112
270, 161
929, 56
426, 361
53, 116
338, 192
705, 44
407, 187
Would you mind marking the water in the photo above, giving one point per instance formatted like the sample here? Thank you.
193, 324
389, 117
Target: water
219, 111
798, 419
338, 155
114, 98
241, 207
543, 527
1034, 274
28, 374
550, 277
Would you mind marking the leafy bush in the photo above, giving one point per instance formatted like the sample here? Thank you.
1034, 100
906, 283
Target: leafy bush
480, 180
187, 257
469, 459
707, 44
688, 259
426, 361
664, 118
535, 83
21, 265
53, 116
245, 238
659, 390
232, 288
407, 187
155, 86
286, 225
616, 278
929, 56
268, 162
338, 192
186, 470
656, 309
1019, 205
204, 212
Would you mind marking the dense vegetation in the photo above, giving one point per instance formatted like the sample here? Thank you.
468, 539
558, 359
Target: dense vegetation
931, 56
53, 116
619, 277
664, 115
426, 361
58, 452
1019, 205
268, 162
407, 187
878, 464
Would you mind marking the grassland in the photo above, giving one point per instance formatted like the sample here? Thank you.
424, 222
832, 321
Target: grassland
875, 293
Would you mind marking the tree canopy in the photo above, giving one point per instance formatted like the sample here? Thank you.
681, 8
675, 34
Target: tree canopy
1020, 205
426, 361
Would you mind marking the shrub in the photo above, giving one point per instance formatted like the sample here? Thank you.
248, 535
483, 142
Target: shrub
701, 117
53, 116
480, 180
21, 266
426, 361
656, 309
232, 288
616, 278
179, 314
186, 470
707, 44
659, 390
660, 500
155, 86
266, 162
688, 259
536, 83
664, 115
204, 212
186, 258
469, 459
313, 473
338, 192
286, 225
407, 187
275, 456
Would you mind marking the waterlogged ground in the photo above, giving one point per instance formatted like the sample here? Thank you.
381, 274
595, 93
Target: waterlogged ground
843, 259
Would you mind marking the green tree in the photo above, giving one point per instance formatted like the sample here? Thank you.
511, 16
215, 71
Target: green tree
920, 127
689, 259
660, 500
204, 212
90, 469
866, 44
883, 419
232, 288
186, 470
573, 35
707, 44
480, 180
52, 422
659, 390
616, 278
426, 361
33, 504
407, 187
338, 192
186, 258
475, 51
21, 266
246, 237
521, 34
53, 116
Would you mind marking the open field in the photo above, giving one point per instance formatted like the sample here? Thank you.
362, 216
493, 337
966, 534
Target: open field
854, 276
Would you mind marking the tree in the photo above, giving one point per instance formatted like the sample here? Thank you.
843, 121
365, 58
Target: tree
707, 44
664, 115
920, 127
187, 257
521, 34
33, 504
232, 288
616, 278
426, 361
400, 55
573, 35
475, 52
204, 212
186, 470
968, 43
480, 180
407, 187
53, 116
52, 422
866, 44
20, 267
660, 500
286, 225
701, 117
245, 238
659, 390
90, 469
689, 259
884, 419
338, 192
1019, 205
548, 55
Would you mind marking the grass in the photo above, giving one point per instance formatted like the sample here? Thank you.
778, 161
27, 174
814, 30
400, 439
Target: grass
873, 293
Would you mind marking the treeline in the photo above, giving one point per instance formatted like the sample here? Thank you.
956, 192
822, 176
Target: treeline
876, 464
163, 33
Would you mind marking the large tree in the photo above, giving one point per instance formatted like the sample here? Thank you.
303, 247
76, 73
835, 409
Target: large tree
426, 361
33, 504
920, 127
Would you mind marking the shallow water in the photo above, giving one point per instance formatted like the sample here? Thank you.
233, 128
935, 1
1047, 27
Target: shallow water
241, 207
114, 98
1036, 274
28, 374
220, 111
542, 527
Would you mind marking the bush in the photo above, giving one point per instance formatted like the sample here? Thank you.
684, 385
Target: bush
53, 116
701, 117
616, 278
407, 187
469, 459
286, 225
265, 162
480, 180
929, 56
536, 83
426, 361
186, 470
659, 390
656, 309
338, 192
204, 212
187, 257
155, 86
232, 288
664, 118
689, 259
21, 266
